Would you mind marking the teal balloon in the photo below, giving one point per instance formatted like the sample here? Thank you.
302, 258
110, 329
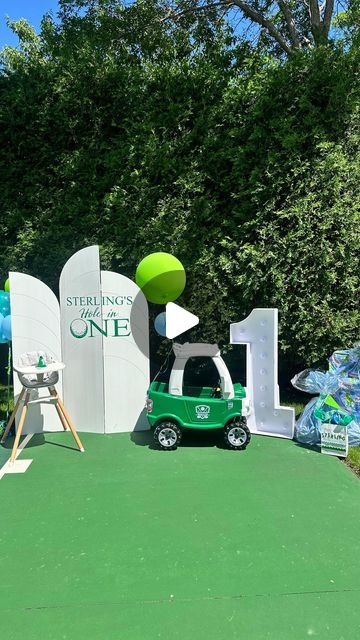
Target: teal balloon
5, 311
4, 303
6, 328
160, 324
2, 337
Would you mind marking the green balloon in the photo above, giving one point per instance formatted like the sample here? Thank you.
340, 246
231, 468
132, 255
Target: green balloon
161, 277
7, 285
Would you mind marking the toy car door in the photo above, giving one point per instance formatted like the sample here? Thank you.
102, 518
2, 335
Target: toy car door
206, 412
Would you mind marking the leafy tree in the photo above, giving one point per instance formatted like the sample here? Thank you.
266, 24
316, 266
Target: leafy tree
292, 24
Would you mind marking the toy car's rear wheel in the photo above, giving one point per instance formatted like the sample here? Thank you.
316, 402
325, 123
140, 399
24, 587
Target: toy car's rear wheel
237, 434
167, 435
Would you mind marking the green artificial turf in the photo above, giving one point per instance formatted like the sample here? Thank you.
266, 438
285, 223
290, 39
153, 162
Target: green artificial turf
125, 541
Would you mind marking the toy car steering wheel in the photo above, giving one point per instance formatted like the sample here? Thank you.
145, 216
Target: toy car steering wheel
216, 391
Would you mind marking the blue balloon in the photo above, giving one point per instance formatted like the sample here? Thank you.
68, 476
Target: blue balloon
160, 324
6, 327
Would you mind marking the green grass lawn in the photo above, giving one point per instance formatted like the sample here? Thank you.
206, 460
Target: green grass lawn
298, 406
353, 459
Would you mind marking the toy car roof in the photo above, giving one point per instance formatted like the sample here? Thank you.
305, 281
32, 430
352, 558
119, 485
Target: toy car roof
193, 350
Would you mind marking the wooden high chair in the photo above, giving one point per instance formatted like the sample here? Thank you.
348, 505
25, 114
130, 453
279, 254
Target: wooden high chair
31, 377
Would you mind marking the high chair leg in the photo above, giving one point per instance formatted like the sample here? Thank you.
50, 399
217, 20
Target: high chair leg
19, 429
59, 403
11, 419
72, 428
53, 393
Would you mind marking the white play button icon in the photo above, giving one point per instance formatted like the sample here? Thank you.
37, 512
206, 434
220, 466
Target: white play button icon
178, 320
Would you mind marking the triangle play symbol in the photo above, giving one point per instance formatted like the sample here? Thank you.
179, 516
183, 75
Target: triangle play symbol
178, 320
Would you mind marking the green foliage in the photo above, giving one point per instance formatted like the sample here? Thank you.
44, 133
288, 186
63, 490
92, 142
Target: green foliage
120, 130
348, 21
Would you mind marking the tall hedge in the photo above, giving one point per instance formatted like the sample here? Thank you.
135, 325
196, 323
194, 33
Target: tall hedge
143, 139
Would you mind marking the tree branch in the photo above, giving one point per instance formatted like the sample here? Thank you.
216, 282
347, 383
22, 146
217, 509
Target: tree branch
309, 43
329, 8
248, 11
255, 16
314, 13
290, 21
175, 15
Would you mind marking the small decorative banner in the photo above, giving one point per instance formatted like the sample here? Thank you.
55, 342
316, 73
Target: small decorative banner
334, 439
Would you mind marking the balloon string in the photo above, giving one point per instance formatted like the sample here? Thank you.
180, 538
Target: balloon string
165, 363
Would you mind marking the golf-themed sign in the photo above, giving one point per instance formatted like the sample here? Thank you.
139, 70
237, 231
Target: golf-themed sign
82, 342
100, 331
334, 439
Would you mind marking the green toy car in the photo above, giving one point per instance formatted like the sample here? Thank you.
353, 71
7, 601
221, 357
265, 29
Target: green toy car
172, 407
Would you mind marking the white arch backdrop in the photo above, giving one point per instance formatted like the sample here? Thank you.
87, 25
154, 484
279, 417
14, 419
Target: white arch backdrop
106, 377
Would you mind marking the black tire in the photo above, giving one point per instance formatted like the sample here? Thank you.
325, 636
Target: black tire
236, 434
167, 435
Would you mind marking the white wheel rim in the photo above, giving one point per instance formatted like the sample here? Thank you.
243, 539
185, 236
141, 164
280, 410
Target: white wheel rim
237, 436
167, 437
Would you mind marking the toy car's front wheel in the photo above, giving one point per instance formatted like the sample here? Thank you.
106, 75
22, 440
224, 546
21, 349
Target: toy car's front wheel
237, 434
167, 435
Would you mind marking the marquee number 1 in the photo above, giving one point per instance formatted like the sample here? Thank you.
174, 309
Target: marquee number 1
259, 332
